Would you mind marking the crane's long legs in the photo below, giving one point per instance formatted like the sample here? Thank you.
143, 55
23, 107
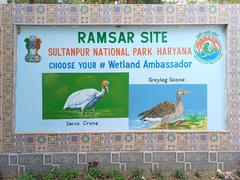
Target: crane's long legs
94, 112
82, 113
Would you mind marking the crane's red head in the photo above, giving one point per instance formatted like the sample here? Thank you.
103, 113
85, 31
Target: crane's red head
105, 85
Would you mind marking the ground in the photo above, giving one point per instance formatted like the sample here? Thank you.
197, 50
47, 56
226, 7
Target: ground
184, 125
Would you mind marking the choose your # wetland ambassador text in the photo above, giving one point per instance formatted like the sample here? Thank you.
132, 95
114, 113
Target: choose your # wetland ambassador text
114, 64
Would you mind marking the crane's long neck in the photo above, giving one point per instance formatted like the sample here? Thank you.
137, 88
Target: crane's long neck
101, 94
103, 91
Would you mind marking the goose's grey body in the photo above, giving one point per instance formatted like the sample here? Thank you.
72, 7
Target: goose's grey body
165, 112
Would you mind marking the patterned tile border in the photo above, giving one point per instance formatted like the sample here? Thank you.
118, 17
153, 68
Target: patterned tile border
125, 14
85, 14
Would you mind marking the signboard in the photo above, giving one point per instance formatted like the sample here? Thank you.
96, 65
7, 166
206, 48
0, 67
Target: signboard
120, 78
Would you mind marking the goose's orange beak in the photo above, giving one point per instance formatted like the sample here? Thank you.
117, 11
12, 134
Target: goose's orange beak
185, 92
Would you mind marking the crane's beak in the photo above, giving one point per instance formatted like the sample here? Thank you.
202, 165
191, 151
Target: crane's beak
185, 92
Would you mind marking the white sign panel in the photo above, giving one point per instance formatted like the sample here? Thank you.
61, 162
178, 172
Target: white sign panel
108, 78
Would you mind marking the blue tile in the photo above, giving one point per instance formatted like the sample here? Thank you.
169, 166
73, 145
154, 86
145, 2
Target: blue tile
118, 138
30, 139
202, 9
73, 9
29, 9
159, 9
117, 9
74, 139
160, 137
203, 137
19, 139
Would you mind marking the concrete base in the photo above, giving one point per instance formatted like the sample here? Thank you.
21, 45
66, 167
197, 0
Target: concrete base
125, 160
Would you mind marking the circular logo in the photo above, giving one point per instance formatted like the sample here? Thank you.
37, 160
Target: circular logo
208, 48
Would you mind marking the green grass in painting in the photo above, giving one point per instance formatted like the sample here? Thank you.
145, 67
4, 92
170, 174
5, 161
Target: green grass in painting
58, 86
195, 117
191, 122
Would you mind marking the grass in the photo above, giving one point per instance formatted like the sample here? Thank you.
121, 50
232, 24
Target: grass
116, 175
158, 174
197, 174
31, 175
88, 113
238, 173
53, 173
220, 175
179, 174
95, 172
191, 122
136, 174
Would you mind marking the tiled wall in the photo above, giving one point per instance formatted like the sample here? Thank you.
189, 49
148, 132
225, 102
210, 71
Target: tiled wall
18, 14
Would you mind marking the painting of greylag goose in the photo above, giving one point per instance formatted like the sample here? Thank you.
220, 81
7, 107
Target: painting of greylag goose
172, 106
165, 111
